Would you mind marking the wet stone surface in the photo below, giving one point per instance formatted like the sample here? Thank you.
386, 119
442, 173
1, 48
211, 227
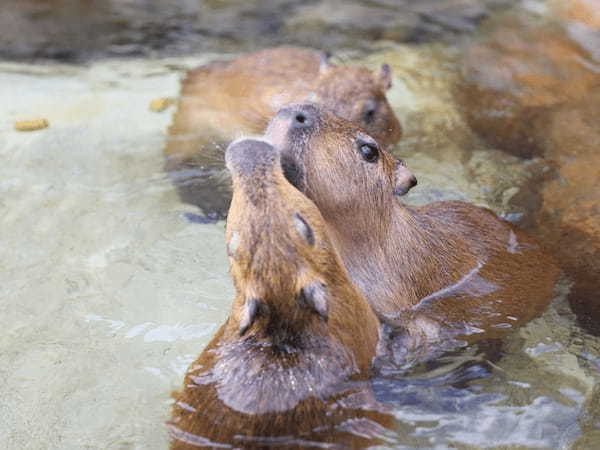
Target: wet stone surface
78, 30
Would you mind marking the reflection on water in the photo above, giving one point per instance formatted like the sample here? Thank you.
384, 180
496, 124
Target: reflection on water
152, 332
463, 406
109, 292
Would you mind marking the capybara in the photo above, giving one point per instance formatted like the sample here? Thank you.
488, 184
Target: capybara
223, 101
290, 366
445, 268
521, 70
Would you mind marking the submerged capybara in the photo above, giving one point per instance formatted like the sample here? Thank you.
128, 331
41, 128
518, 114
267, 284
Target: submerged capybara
290, 366
448, 268
223, 101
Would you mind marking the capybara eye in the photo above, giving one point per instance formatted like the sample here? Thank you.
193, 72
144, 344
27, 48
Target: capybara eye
249, 312
369, 115
369, 152
304, 229
315, 296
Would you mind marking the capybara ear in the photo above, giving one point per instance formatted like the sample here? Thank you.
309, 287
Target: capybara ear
314, 295
404, 180
249, 313
385, 76
324, 63
304, 229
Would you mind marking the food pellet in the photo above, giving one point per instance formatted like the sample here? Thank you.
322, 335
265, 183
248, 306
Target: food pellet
160, 104
31, 125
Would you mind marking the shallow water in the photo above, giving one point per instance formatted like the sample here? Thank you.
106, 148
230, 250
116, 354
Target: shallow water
109, 292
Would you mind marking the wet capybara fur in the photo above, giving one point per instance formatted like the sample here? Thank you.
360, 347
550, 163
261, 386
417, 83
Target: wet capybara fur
290, 366
223, 101
444, 269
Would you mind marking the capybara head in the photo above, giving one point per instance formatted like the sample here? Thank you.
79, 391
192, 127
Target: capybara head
340, 167
358, 95
282, 262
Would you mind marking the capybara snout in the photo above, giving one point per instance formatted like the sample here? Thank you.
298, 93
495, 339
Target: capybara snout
244, 156
298, 118
302, 119
405, 180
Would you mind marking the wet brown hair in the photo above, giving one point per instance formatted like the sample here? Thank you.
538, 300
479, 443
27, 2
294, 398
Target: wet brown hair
295, 353
448, 267
225, 100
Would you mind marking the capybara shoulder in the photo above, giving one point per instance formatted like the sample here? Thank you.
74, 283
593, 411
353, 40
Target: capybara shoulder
447, 266
295, 354
223, 101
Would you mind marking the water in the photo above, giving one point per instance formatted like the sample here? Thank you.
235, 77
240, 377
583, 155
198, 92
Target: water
109, 292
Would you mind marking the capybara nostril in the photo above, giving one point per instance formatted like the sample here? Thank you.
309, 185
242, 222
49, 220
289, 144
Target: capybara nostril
301, 115
413, 182
302, 119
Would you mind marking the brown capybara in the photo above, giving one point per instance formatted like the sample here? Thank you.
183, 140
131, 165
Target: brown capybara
290, 366
520, 70
223, 101
445, 268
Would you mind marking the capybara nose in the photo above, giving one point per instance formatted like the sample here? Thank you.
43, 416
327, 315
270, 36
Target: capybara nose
412, 182
301, 120
245, 155
301, 116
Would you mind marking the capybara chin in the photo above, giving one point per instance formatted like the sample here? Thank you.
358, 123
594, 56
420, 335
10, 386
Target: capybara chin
225, 100
291, 364
448, 267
